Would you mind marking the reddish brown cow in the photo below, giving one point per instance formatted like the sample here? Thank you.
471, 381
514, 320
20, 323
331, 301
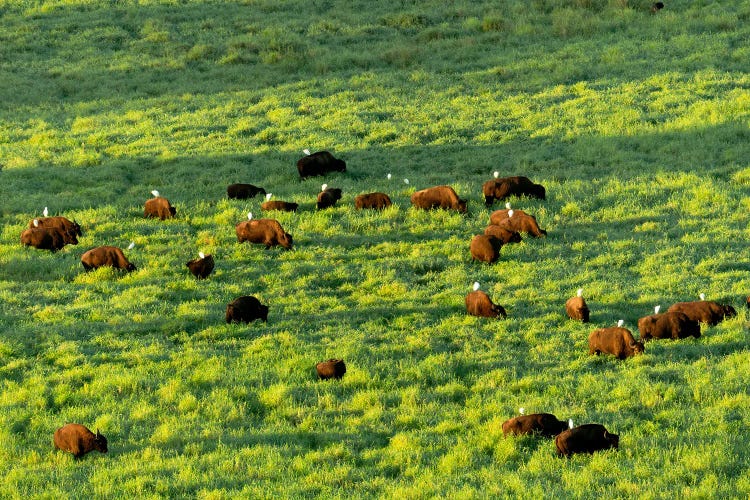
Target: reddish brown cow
479, 303
267, 232
333, 368
159, 207
577, 308
704, 311
106, 256
614, 340
669, 325
201, 267
319, 163
503, 234
243, 191
485, 248
544, 424
79, 440
283, 206
586, 438
438, 197
376, 201
328, 197
246, 309
500, 189
48, 238
62, 223
520, 221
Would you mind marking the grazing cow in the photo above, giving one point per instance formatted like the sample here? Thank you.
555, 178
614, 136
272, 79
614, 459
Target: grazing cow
319, 163
517, 220
504, 234
79, 440
48, 238
704, 311
438, 197
614, 340
159, 207
264, 231
243, 191
333, 368
479, 303
283, 206
246, 309
500, 189
544, 424
201, 267
57, 222
586, 438
669, 325
485, 248
106, 256
377, 201
577, 308
328, 197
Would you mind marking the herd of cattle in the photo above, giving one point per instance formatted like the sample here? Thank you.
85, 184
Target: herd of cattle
680, 321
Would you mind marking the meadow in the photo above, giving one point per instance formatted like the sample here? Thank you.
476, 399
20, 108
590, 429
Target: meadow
637, 125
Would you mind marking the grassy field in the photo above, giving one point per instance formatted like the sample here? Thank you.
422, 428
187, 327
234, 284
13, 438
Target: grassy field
637, 124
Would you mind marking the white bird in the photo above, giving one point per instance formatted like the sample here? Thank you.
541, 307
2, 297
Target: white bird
268, 196
388, 176
702, 296
132, 244
521, 410
570, 423
496, 174
507, 205
45, 212
36, 222
510, 213
323, 187
620, 323
580, 292
476, 286
155, 192
406, 181
656, 309
249, 216
307, 152
201, 255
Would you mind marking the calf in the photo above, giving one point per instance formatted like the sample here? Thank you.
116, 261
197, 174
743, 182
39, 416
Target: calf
544, 424
328, 197
79, 440
106, 256
485, 248
577, 308
704, 311
377, 201
283, 206
333, 368
267, 232
57, 222
319, 163
438, 197
201, 267
504, 234
499, 189
517, 220
243, 191
586, 438
614, 340
48, 238
246, 309
669, 325
159, 207
479, 303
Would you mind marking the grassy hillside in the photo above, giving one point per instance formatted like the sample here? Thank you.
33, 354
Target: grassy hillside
637, 124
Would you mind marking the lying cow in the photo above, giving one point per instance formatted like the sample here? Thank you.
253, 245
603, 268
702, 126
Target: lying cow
48, 238
319, 163
106, 256
614, 340
479, 303
517, 220
328, 197
544, 424
282, 206
159, 207
246, 309
267, 232
704, 311
376, 201
500, 189
244, 191
586, 438
503, 234
57, 222
438, 197
485, 248
201, 267
668, 325
331, 369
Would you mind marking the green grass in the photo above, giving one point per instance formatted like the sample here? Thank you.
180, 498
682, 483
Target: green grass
637, 125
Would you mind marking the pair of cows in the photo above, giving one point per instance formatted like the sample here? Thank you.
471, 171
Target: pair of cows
51, 233
504, 228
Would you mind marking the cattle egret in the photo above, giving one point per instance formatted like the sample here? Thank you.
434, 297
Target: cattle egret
155, 192
496, 174
702, 296
132, 244
507, 205
406, 181
656, 309
201, 255
476, 286
510, 213
521, 410
45, 212
249, 216
580, 292
36, 222
306, 151
620, 323
268, 196
323, 187
570, 423
388, 176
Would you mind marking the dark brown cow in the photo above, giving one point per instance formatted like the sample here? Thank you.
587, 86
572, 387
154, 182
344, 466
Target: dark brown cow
48, 238
376, 201
159, 207
503, 234
243, 191
479, 303
614, 340
485, 248
544, 424
57, 222
79, 440
577, 309
283, 206
201, 267
669, 325
586, 438
333, 368
500, 189
246, 309
328, 197
704, 311
438, 197
267, 232
319, 163
519, 221
106, 256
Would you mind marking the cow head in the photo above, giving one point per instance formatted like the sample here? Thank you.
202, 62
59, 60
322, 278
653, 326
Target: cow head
539, 191
637, 347
263, 313
100, 442
69, 237
286, 240
461, 206
172, 210
729, 311
131, 267
339, 165
613, 440
77, 228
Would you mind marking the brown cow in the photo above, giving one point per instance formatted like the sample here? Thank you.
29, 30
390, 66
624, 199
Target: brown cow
57, 222
704, 311
106, 256
377, 201
669, 325
159, 207
438, 197
479, 303
504, 234
333, 368
500, 189
243, 191
328, 197
79, 440
264, 231
586, 438
544, 424
319, 163
577, 308
246, 309
517, 220
283, 206
48, 238
202, 266
485, 248
614, 340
